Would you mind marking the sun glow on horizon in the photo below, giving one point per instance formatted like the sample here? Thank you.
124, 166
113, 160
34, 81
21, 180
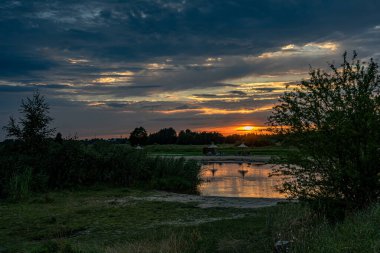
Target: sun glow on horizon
247, 128
240, 129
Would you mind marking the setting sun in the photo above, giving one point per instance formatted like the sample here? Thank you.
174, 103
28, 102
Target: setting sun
236, 129
247, 128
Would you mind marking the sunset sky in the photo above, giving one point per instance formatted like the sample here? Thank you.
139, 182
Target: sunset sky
106, 67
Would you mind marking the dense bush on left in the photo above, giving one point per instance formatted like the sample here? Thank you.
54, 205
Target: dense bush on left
72, 163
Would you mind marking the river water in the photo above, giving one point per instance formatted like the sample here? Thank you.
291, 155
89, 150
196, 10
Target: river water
239, 180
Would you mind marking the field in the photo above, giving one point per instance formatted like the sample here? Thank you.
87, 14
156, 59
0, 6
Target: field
93, 220
127, 220
224, 149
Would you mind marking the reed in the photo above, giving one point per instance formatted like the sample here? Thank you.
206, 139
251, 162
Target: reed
74, 164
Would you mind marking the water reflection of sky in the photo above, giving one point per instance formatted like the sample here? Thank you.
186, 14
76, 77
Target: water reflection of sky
228, 180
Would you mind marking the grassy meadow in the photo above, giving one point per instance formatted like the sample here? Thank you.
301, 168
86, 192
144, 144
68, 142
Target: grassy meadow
125, 220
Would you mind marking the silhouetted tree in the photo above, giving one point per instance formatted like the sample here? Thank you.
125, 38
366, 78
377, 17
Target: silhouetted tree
251, 139
199, 138
33, 127
234, 139
138, 136
164, 136
58, 138
185, 137
333, 119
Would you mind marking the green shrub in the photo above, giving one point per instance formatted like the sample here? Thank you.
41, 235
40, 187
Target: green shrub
172, 174
332, 120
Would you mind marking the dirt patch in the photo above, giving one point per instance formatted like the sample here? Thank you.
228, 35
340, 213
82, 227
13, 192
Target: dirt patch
199, 221
202, 201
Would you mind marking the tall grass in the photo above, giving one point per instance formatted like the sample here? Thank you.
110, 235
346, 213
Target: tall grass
20, 184
171, 242
307, 232
72, 164
358, 233
174, 174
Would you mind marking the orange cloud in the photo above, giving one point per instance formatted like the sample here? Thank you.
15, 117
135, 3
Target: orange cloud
213, 111
312, 48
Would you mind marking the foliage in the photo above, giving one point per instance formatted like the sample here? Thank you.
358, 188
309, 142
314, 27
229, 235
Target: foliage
196, 138
33, 128
333, 120
175, 174
164, 136
252, 139
58, 138
73, 163
138, 136
188, 137
168, 136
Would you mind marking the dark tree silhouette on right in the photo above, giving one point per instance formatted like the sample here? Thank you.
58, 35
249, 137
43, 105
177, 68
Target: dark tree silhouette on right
333, 121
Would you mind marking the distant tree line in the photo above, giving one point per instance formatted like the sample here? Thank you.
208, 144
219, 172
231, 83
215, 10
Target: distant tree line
139, 136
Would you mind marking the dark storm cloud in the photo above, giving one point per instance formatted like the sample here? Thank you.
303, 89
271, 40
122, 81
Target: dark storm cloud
146, 29
116, 90
42, 34
14, 62
247, 103
8, 88
238, 93
228, 95
147, 106
181, 108
205, 95
81, 52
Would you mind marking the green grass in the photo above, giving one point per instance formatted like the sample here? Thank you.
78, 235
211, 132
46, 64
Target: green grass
91, 221
121, 220
225, 149
358, 233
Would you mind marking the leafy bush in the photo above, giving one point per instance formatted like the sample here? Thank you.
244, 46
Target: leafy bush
174, 174
333, 121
